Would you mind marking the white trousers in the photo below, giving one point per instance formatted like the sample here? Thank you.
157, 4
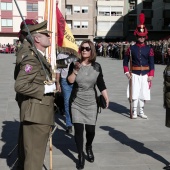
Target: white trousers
140, 87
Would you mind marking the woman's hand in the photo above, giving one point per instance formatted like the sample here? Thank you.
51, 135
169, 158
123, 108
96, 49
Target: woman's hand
77, 66
107, 103
105, 95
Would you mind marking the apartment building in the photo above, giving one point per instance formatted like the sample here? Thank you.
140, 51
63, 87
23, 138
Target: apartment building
98, 20
110, 19
80, 17
157, 17
10, 18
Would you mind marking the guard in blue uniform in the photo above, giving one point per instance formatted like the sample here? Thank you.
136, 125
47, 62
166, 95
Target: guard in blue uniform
142, 69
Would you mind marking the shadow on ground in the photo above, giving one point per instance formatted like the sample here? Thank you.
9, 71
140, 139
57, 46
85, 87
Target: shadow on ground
9, 137
63, 141
137, 146
120, 109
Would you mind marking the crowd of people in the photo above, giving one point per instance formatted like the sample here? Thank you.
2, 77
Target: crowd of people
118, 49
7, 48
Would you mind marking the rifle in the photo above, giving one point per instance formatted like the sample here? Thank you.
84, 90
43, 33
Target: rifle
63, 63
30, 40
130, 86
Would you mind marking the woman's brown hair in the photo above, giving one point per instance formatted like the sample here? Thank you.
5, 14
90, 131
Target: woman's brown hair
92, 57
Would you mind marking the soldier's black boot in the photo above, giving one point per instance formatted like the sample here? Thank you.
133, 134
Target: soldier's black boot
90, 154
81, 162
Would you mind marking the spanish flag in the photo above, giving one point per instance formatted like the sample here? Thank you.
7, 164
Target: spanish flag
62, 39
66, 41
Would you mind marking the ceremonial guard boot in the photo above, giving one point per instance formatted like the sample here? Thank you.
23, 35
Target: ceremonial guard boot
142, 114
134, 115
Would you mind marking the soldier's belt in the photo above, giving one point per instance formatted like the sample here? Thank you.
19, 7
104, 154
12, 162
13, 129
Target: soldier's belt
142, 68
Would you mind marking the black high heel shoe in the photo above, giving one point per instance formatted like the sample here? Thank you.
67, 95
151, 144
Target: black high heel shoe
81, 163
90, 154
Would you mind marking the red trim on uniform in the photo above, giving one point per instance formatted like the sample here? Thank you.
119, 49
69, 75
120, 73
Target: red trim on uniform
128, 51
151, 73
126, 69
140, 45
151, 52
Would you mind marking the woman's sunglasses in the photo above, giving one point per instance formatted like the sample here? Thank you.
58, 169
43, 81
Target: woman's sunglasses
85, 48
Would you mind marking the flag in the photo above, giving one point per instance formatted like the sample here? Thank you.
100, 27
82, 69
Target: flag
65, 38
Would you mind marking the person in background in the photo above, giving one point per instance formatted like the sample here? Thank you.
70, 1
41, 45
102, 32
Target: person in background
166, 89
142, 69
167, 54
66, 88
85, 75
37, 105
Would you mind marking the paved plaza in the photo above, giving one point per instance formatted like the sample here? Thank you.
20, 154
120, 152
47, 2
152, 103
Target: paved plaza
120, 142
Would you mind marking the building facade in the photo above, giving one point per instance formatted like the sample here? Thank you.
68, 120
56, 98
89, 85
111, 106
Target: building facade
110, 19
98, 20
80, 17
10, 18
157, 17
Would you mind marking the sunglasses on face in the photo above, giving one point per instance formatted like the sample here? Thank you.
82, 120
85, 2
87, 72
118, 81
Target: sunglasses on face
85, 48
141, 36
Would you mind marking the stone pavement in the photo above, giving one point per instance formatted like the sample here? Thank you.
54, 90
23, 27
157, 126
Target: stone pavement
120, 143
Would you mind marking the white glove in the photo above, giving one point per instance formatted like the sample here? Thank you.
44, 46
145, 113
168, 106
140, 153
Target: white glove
49, 88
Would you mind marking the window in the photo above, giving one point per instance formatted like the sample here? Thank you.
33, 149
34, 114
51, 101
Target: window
84, 24
76, 9
84, 9
107, 25
69, 23
32, 7
6, 6
68, 10
116, 11
104, 11
110, 11
76, 24
6, 22
132, 5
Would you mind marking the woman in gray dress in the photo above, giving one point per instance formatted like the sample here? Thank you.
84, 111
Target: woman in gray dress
85, 75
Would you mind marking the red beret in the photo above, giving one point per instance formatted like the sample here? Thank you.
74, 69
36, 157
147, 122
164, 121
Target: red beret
28, 22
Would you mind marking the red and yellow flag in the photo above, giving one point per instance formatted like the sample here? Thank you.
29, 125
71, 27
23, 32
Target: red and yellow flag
61, 36
64, 35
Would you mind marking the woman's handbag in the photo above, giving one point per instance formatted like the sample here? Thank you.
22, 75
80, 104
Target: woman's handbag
101, 103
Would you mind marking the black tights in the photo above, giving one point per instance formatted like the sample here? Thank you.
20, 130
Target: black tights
90, 133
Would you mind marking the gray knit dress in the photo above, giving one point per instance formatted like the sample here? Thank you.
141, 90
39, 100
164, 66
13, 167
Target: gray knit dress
83, 106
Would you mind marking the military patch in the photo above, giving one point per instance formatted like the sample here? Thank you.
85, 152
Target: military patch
28, 68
